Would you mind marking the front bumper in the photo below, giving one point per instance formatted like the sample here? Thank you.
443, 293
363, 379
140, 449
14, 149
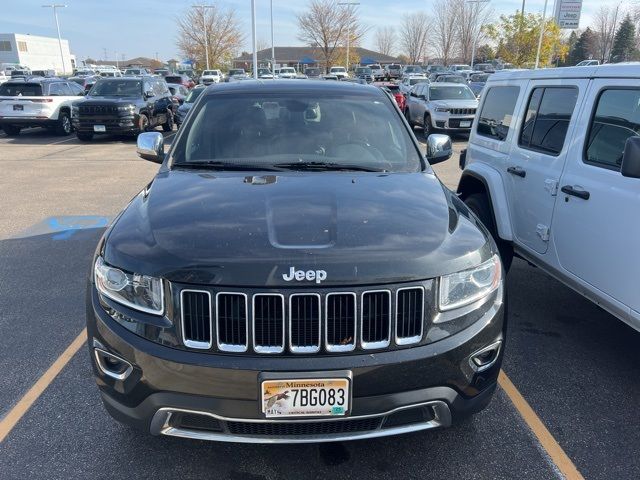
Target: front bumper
216, 396
113, 125
444, 121
36, 121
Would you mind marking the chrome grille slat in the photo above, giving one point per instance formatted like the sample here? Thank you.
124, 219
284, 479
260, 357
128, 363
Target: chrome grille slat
231, 322
462, 111
409, 315
268, 322
375, 319
304, 322
197, 331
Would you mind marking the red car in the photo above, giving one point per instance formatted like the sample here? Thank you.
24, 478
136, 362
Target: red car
394, 90
180, 80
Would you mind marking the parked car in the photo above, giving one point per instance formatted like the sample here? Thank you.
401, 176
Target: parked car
110, 73
163, 72
331, 77
21, 73
484, 67
409, 81
460, 68
393, 71
449, 78
180, 80
553, 170
236, 74
259, 291
377, 71
588, 63
37, 102
183, 109
84, 71
313, 72
287, 72
435, 68
412, 70
441, 106
210, 76
127, 105
339, 72
43, 73
179, 92
265, 74
393, 89
477, 82
136, 72
364, 73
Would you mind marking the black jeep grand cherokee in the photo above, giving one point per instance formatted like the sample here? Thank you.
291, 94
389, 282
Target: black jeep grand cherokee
295, 273
124, 106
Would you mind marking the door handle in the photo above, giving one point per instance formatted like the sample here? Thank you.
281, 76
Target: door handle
517, 171
570, 190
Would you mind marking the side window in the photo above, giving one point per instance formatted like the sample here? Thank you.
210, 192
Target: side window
547, 119
497, 112
148, 87
55, 89
617, 117
75, 88
64, 87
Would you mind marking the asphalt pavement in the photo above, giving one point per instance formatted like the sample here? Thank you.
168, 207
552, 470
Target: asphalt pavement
575, 365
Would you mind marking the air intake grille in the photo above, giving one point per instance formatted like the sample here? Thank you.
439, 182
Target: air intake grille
462, 111
340, 314
376, 319
98, 110
268, 323
409, 315
231, 311
303, 428
196, 318
304, 323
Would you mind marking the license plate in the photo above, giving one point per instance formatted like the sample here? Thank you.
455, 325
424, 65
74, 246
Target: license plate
305, 398
99, 128
18, 108
465, 124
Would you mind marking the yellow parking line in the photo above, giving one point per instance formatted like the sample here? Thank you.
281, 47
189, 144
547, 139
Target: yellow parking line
550, 445
18, 411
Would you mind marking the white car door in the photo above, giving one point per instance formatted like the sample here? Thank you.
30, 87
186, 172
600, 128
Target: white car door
537, 157
596, 227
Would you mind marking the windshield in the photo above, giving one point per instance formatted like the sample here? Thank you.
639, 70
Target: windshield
132, 71
363, 70
413, 69
287, 130
451, 93
236, 71
394, 67
116, 88
9, 89
337, 69
193, 94
287, 70
209, 72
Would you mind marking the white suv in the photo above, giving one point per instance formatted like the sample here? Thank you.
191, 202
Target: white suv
339, 72
38, 102
210, 76
553, 171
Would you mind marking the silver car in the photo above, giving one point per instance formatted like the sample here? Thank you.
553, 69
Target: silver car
441, 106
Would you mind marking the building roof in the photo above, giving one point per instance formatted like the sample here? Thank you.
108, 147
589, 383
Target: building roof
308, 55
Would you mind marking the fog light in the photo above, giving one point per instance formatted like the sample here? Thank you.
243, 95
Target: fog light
111, 365
486, 357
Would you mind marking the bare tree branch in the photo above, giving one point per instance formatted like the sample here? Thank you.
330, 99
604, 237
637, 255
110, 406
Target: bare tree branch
443, 30
413, 35
385, 40
605, 22
470, 19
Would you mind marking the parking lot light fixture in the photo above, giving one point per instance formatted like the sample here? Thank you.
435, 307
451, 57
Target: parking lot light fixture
55, 7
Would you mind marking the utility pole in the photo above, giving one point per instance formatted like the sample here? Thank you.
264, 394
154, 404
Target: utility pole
544, 14
253, 39
475, 35
348, 5
203, 8
55, 7
273, 50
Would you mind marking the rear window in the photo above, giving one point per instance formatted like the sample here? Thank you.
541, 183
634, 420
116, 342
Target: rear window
9, 89
497, 112
173, 79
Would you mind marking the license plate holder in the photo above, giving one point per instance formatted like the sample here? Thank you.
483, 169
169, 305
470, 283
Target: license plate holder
99, 128
465, 124
18, 108
299, 395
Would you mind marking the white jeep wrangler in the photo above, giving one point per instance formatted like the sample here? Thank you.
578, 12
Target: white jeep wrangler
553, 170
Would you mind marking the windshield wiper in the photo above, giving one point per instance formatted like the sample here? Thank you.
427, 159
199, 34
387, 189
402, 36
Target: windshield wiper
217, 165
328, 166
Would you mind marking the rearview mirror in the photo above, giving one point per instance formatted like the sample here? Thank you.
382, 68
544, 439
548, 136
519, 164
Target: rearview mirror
150, 146
631, 158
439, 148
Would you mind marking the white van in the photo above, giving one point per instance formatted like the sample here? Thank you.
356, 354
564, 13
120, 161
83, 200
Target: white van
553, 170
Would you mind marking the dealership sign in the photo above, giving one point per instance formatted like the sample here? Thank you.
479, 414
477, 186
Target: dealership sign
567, 13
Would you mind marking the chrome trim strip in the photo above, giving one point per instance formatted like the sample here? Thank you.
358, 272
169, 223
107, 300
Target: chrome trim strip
160, 426
228, 347
194, 343
415, 339
482, 368
118, 376
380, 344
260, 348
340, 348
305, 349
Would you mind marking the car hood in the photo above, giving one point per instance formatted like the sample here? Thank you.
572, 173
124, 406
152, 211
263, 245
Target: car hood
99, 100
455, 103
242, 229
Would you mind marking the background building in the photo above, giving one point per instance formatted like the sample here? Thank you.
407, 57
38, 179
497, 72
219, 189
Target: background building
37, 53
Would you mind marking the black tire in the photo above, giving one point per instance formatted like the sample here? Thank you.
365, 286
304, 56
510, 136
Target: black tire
143, 123
63, 126
479, 204
426, 125
84, 137
168, 125
11, 130
407, 115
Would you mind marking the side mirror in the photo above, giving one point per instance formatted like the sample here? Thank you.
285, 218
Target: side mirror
148, 94
150, 146
631, 158
439, 148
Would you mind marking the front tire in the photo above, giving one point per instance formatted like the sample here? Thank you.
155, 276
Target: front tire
479, 204
426, 124
11, 130
143, 123
168, 125
63, 126
407, 115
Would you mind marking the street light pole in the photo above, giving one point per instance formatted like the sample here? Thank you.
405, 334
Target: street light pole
273, 50
544, 14
348, 5
55, 6
253, 39
475, 36
203, 8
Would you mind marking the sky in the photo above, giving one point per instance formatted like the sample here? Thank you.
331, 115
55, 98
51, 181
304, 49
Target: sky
146, 28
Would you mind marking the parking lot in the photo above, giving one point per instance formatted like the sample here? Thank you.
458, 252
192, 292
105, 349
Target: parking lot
567, 406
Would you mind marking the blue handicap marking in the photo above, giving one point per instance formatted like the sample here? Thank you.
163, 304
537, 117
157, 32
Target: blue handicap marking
68, 225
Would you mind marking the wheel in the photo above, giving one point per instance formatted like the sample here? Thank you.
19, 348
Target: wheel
63, 126
143, 123
479, 204
168, 125
407, 115
84, 137
11, 130
426, 124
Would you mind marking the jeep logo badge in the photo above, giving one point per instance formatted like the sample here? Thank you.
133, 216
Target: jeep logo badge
301, 275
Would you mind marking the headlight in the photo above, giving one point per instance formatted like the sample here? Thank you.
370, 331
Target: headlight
126, 108
462, 288
139, 292
442, 109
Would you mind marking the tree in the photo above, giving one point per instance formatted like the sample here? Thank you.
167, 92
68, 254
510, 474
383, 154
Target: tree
413, 35
517, 38
325, 25
385, 40
624, 44
605, 22
584, 48
224, 35
443, 31
485, 53
470, 19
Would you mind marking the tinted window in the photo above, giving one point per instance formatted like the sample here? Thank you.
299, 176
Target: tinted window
117, 88
547, 119
173, 79
75, 88
55, 89
497, 112
320, 127
451, 93
193, 94
9, 89
617, 118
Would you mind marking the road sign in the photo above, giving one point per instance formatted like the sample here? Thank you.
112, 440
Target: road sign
567, 13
